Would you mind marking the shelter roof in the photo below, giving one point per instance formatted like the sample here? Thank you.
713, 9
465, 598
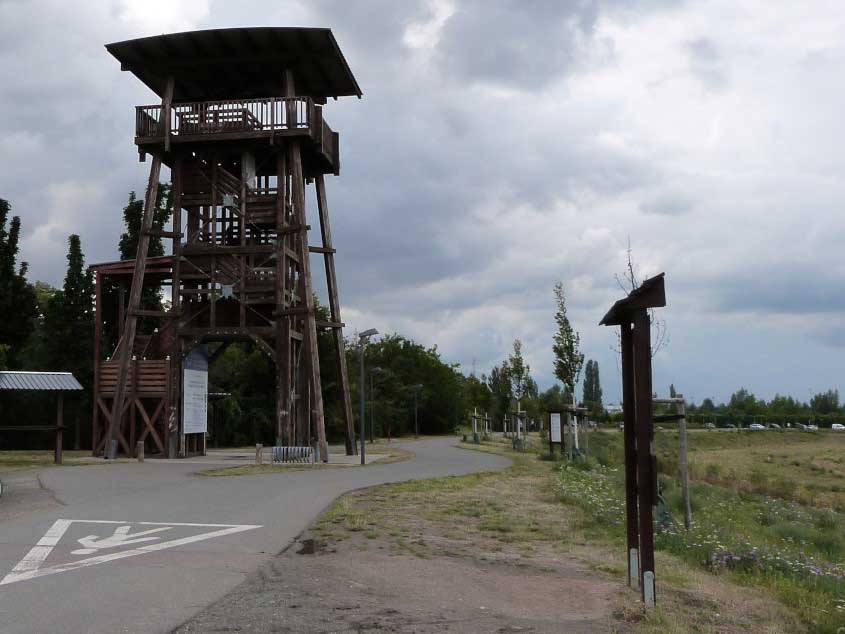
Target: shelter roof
242, 63
50, 381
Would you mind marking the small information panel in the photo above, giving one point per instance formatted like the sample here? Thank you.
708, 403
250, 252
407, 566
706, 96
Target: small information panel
195, 391
554, 426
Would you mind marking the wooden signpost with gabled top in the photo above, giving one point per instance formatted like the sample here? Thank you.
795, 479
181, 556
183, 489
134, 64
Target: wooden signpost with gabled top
241, 127
632, 316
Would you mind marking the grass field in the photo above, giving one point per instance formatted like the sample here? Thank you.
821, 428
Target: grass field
766, 510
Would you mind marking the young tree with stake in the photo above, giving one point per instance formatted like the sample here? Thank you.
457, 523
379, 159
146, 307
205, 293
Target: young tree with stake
566, 348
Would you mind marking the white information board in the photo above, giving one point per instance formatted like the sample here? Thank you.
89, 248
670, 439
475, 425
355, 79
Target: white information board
554, 418
195, 392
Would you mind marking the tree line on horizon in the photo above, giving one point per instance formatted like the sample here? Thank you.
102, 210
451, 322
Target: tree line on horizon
52, 328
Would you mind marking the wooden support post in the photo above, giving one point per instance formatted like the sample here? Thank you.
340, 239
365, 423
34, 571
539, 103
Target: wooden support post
646, 474
60, 427
128, 341
259, 454
334, 309
139, 450
629, 431
98, 337
283, 355
172, 423
312, 356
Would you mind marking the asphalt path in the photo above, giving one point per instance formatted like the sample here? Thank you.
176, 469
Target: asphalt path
136, 557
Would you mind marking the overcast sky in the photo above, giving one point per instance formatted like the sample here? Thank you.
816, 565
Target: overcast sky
502, 145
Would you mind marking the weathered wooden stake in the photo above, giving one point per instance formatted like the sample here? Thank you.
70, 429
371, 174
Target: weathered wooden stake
139, 450
646, 460
60, 426
629, 431
683, 465
259, 454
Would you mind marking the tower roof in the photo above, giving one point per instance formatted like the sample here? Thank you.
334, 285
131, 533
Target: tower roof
243, 63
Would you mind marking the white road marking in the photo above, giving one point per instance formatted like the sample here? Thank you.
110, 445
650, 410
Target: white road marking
30, 566
120, 537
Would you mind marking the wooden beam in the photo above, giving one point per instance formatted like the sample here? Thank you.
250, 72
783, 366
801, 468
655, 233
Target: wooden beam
60, 426
629, 431
334, 310
646, 475
312, 354
128, 340
282, 329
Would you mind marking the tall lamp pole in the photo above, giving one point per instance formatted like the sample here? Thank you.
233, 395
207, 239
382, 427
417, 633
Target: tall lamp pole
362, 340
416, 389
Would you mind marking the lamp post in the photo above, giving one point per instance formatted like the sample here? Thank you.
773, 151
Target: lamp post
362, 339
416, 389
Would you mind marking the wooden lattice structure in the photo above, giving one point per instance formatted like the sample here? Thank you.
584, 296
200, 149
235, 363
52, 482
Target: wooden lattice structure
241, 127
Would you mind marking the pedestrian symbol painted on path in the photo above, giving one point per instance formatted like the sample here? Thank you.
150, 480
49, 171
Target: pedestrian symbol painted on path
121, 537
111, 541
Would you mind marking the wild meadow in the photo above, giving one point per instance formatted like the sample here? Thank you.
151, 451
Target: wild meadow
767, 510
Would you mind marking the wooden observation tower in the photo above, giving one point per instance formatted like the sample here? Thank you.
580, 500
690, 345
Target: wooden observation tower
240, 125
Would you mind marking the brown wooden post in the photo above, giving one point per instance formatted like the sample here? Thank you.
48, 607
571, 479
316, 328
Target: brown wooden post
629, 431
283, 355
128, 340
334, 309
98, 336
683, 464
646, 474
172, 421
312, 357
60, 427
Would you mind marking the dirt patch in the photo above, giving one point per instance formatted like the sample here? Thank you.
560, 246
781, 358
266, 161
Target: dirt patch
346, 589
492, 552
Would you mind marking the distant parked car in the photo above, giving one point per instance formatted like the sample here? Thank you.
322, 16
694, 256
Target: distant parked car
621, 426
756, 426
812, 428
730, 426
710, 425
837, 427
774, 426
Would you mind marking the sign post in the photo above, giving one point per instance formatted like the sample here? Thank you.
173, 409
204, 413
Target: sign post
195, 394
555, 432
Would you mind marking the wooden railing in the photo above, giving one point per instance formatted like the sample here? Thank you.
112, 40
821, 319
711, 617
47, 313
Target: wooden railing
214, 117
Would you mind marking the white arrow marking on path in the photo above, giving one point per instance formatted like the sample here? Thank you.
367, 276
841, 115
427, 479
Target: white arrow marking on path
30, 566
120, 537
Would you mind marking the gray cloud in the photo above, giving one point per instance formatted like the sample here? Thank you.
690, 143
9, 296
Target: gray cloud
706, 63
518, 143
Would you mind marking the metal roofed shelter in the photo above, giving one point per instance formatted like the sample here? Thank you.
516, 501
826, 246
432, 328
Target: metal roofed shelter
58, 382
240, 124
631, 315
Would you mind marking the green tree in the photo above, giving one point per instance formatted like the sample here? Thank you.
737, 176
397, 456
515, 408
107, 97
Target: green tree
68, 327
567, 341
133, 215
825, 402
17, 298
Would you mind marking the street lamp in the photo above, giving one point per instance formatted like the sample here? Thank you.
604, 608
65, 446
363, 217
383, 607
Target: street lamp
362, 339
416, 389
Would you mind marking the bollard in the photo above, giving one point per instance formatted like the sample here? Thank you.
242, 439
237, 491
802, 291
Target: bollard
259, 454
139, 450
